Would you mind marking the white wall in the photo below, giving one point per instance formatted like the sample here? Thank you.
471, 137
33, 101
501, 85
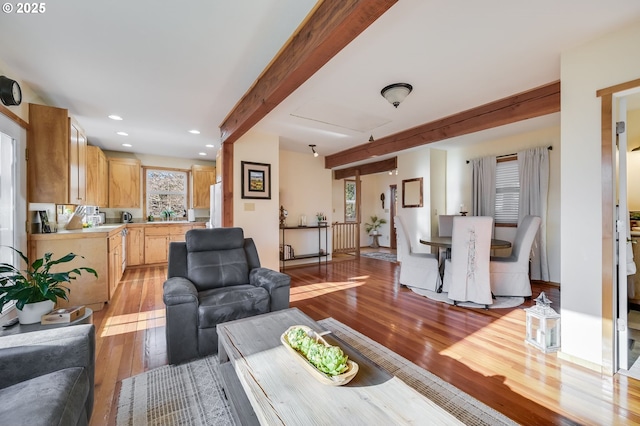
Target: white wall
372, 187
412, 164
459, 177
305, 189
258, 218
602, 63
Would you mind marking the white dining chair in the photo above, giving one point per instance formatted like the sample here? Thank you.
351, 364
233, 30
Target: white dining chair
466, 274
510, 275
419, 270
445, 225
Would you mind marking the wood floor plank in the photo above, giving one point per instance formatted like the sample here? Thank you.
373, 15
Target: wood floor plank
481, 352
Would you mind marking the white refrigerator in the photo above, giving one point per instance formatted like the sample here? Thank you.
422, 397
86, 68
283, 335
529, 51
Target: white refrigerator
215, 209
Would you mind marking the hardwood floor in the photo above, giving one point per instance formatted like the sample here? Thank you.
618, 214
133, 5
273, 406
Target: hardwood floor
481, 352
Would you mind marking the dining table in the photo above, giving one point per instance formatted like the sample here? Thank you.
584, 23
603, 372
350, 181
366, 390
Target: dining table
445, 242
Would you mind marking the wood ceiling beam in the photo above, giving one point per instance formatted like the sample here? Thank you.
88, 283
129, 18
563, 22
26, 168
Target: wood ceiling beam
536, 102
367, 169
327, 30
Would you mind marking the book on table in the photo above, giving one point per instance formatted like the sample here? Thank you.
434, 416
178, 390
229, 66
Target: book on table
62, 315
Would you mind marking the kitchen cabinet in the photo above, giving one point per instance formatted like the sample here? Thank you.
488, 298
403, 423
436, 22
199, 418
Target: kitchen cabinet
77, 163
115, 261
86, 289
135, 245
97, 177
56, 157
124, 183
202, 177
158, 237
156, 243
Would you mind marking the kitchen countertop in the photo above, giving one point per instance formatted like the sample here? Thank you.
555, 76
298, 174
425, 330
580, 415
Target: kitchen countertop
103, 230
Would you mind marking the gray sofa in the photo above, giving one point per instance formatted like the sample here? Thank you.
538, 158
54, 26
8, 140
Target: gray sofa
47, 377
214, 277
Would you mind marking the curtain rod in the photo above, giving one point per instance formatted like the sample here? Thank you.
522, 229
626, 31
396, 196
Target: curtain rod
550, 148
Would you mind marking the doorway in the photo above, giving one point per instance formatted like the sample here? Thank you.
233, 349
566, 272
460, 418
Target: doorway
393, 195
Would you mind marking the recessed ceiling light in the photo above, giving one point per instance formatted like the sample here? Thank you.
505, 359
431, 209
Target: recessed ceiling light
128, 145
122, 133
202, 153
195, 132
209, 145
115, 117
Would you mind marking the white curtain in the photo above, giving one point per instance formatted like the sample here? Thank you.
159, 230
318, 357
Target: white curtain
533, 165
484, 186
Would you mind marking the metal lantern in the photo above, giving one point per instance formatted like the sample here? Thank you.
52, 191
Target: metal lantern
543, 325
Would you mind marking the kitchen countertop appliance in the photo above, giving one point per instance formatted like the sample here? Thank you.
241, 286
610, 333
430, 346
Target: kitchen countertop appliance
126, 217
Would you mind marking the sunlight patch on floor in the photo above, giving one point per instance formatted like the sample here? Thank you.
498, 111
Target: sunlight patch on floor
129, 323
314, 290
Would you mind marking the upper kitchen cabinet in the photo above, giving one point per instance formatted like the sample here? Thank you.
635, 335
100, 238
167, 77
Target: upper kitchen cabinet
124, 183
203, 177
56, 159
97, 177
77, 164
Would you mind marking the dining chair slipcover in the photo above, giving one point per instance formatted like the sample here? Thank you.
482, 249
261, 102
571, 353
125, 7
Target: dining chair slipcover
445, 225
510, 275
418, 270
466, 274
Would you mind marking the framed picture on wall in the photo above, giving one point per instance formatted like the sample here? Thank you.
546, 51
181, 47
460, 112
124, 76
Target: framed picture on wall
256, 180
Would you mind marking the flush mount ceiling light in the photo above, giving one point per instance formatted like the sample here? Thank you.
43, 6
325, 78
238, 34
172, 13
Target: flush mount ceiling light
115, 117
122, 133
194, 132
396, 92
313, 149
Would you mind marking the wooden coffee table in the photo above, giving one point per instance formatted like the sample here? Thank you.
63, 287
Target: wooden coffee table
266, 385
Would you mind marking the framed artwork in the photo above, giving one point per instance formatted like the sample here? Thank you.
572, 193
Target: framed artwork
256, 180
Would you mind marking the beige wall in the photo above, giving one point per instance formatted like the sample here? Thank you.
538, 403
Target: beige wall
305, 189
258, 218
633, 161
604, 62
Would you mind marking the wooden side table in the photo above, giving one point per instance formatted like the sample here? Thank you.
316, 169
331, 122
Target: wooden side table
87, 318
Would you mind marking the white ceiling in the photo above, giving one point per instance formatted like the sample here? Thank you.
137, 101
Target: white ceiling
168, 67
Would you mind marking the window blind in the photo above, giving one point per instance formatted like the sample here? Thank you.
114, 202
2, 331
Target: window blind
507, 192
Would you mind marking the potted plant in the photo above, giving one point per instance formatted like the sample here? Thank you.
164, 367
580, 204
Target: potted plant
36, 289
372, 228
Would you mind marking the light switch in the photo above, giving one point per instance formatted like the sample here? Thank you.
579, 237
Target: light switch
249, 207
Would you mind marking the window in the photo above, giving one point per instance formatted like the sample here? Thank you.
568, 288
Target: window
166, 191
7, 202
350, 208
507, 192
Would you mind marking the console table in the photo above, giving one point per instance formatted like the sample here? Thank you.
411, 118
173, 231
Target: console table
321, 253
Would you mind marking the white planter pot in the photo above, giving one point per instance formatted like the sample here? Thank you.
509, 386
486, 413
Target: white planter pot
31, 313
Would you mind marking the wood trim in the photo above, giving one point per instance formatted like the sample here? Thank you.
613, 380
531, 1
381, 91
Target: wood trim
618, 88
608, 237
227, 184
328, 29
536, 102
367, 169
13, 116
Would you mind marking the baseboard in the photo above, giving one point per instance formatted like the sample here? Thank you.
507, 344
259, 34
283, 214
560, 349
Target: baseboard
581, 362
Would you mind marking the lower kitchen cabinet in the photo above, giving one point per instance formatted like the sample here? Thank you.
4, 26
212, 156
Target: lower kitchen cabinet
86, 289
135, 245
115, 262
158, 237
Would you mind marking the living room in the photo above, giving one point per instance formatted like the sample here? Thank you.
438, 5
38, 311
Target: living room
584, 68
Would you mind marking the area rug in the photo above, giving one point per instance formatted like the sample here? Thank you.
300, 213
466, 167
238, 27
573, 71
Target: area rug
192, 394
389, 257
500, 302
